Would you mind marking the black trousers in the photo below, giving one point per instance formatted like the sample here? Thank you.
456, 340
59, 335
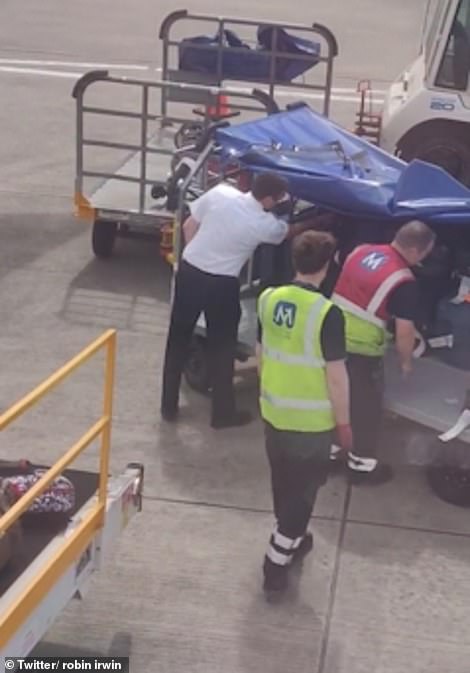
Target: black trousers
299, 464
366, 377
218, 297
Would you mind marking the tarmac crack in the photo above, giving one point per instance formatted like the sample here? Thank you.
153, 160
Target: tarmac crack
315, 517
334, 582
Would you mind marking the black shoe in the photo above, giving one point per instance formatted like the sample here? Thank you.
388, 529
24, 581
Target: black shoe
236, 420
275, 578
276, 584
304, 548
168, 415
382, 474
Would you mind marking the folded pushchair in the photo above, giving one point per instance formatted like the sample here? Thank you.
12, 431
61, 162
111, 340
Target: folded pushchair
239, 61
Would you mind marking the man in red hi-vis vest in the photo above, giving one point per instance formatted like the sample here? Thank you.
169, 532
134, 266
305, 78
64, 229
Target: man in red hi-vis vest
376, 286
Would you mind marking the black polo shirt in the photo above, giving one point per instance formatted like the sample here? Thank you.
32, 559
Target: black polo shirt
332, 337
403, 302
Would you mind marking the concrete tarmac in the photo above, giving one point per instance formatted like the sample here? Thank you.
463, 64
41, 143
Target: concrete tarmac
387, 588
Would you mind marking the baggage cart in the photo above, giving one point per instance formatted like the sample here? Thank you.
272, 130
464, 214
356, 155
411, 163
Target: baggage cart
282, 58
125, 198
120, 202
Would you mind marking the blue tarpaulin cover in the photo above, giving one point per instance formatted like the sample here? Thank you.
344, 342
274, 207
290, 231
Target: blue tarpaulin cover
334, 169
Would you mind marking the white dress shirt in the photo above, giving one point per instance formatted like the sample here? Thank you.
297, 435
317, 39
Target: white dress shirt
231, 226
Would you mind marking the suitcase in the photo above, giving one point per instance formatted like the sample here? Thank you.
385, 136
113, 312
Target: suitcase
53, 506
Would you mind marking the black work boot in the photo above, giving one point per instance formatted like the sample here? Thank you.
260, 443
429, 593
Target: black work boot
169, 415
304, 548
275, 577
235, 420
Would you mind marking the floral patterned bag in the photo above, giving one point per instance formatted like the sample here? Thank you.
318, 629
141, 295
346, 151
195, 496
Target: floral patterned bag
58, 498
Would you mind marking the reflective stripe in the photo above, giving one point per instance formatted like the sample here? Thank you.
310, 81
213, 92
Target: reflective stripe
289, 359
278, 558
308, 359
384, 289
314, 312
295, 403
297, 543
357, 311
263, 300
369, 314
283, 541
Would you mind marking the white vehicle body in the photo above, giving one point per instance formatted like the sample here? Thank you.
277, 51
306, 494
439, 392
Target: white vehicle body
426, 113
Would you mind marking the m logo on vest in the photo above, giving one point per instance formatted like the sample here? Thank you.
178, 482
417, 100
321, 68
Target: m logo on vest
284, 314
374, 260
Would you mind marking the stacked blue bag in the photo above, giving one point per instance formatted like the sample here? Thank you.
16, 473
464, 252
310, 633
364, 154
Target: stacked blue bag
240, 61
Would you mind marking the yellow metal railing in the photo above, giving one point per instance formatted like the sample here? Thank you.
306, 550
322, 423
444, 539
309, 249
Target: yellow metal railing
77, 542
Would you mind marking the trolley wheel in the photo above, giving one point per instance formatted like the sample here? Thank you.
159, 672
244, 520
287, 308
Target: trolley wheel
189, 133
103, 238
196, 371
451, 484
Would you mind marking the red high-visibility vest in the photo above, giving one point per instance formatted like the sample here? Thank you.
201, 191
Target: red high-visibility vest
369, 275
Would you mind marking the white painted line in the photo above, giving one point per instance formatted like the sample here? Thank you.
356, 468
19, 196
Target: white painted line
72, 64
334, 90
41, 73
134, 66
339, 95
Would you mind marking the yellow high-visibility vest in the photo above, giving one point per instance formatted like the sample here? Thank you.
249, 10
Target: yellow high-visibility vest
294, 393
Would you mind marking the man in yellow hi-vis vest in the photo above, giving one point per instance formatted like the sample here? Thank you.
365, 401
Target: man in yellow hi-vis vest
304, 396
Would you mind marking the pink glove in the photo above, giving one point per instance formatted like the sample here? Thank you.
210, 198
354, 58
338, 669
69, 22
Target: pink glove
345, 437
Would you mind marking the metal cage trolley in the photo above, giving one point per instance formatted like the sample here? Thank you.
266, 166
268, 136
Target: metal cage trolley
123, 202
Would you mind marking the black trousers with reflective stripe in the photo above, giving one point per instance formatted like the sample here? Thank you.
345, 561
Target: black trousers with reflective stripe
366, 379
299, 463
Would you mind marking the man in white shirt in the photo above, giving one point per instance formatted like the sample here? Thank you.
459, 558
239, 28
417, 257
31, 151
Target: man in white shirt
221, 234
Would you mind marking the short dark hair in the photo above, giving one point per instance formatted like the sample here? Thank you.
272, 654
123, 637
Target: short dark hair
415, 234
312, 250
269, 184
